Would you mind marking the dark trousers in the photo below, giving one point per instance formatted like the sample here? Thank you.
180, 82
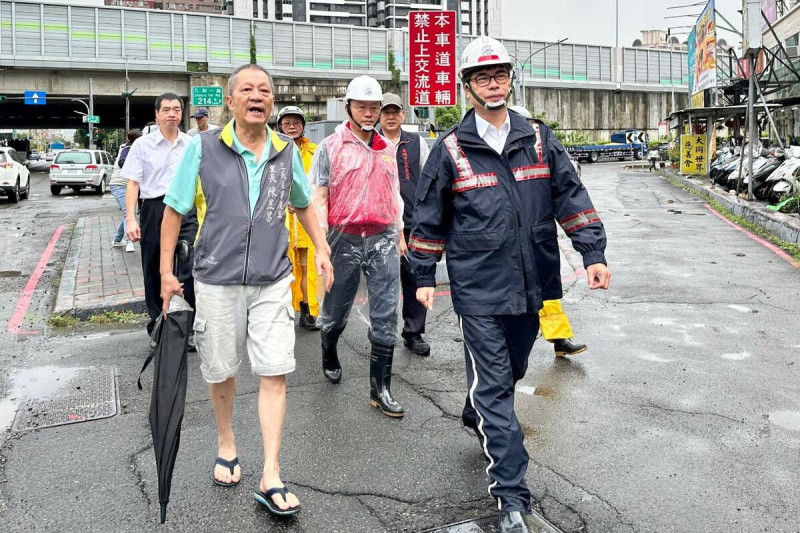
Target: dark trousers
150, 215
376, 257
414, 313
496, 351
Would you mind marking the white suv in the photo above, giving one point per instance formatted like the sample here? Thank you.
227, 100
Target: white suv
15, 178
81, 168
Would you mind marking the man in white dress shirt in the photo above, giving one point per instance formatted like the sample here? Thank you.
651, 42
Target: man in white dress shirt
149, 169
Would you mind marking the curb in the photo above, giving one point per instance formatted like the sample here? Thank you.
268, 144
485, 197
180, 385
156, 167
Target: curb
66, 286
786, 227
65, 297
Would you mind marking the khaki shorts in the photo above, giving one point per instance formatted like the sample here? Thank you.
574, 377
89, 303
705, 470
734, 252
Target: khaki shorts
232, 320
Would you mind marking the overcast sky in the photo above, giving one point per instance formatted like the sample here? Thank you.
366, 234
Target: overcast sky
592, 21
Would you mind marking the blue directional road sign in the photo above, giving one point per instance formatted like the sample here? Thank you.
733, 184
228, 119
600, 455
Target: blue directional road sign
35, 98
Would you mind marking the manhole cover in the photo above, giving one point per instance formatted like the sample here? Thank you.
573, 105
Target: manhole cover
88, 394
489, 524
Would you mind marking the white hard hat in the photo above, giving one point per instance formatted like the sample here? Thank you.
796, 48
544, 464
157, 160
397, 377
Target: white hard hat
483, 52
291, 110
364, 88
522, 111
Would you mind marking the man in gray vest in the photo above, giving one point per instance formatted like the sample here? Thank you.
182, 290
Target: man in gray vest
412, 154
241, 180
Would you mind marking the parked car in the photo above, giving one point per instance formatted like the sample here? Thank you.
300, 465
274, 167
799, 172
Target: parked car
575, 163
15, 179
77, 169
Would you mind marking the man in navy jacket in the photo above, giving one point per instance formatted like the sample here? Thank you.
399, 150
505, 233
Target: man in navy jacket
490, 195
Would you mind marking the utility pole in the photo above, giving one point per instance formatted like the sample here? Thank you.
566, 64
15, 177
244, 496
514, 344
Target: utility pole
617, 25
751, 95
91, 112
458, 60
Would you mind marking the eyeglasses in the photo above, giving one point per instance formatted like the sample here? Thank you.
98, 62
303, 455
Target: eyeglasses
482, 80
366, 108
292, 123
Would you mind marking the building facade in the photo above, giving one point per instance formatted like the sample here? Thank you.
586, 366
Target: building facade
479, 17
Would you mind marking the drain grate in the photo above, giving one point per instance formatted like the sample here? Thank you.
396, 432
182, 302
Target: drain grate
89, 394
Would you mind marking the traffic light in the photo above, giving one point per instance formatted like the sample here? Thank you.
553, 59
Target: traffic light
422, 112
95, 130
2, 99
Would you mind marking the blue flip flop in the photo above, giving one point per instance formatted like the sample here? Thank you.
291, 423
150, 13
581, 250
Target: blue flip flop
265, 499
227, 464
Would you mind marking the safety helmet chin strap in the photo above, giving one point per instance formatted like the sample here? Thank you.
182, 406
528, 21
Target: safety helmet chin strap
362, 128
491, 106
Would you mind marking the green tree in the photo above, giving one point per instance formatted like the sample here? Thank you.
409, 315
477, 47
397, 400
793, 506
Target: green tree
447, 117
553, 125
104, 138
394, 85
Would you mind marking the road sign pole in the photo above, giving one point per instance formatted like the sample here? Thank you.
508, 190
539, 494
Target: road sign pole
459, 50
127, 101
91, 112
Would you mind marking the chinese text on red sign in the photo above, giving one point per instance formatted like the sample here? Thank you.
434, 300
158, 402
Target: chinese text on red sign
432, 50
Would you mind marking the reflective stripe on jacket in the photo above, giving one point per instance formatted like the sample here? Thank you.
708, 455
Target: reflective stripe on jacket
495, 216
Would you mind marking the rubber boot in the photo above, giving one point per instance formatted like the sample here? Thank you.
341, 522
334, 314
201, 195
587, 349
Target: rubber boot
380, 380
330, 357
307, 320
564, 347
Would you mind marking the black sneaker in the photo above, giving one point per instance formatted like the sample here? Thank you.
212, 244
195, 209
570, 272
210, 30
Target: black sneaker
417, 345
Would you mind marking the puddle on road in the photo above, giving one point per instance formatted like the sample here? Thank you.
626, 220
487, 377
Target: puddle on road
786, 419
544, 390
42, 382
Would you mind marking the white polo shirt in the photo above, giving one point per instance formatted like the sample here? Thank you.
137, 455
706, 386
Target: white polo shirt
152, 162
495, 138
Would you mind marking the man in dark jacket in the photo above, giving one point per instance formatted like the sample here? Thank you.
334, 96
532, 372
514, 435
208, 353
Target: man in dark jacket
412, 153
490, 195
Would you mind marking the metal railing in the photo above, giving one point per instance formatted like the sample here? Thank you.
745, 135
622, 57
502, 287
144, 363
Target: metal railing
36, 34
65, 36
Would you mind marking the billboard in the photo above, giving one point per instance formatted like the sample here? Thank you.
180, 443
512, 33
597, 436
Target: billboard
432, 61
703, 51
770, 10
693, 154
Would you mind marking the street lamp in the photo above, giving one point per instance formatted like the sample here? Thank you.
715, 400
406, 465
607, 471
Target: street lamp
525, 62
88, 112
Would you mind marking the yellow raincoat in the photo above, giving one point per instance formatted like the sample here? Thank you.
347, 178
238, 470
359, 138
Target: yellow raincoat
299, 239
553, 321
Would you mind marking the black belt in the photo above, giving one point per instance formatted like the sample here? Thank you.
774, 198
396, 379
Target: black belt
156, 199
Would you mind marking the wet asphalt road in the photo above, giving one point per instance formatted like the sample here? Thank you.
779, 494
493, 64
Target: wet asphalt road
682, 416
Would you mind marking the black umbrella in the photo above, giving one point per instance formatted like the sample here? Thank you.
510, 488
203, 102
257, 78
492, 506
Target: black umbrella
169, 341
